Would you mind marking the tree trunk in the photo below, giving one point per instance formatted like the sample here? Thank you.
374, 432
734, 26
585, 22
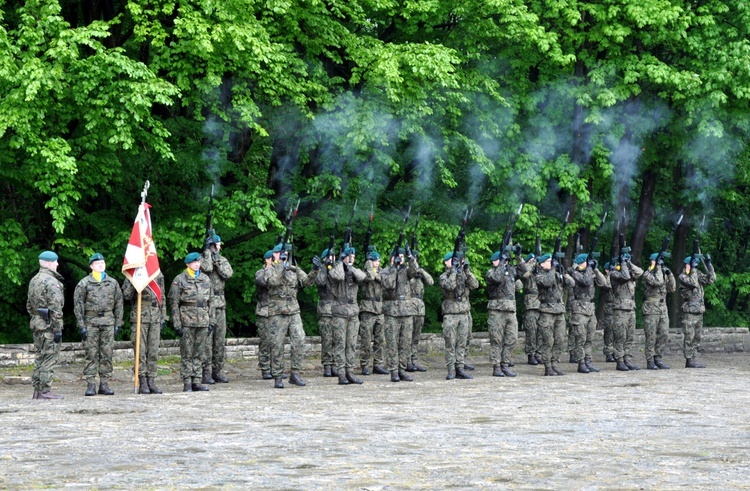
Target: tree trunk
645, 216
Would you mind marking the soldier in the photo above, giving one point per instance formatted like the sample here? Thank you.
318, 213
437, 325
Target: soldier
623, 280
191, 298
417, 285
219, 271
455, 284
345, 279
587, 277
261, 318
399, 311
325, 318
502, 285
606, 322
658, 280
284, 279
98, 310
692, 282
153, 317
532, 344
44, 304
551, 279
371, 319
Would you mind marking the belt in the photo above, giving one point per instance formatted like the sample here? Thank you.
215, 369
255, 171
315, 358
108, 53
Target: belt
100, 313
276, 297
509, 297
418, 296
371, 299
202, 303
654, 300
398, 297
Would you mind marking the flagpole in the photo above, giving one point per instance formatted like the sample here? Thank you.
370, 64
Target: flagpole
137, 360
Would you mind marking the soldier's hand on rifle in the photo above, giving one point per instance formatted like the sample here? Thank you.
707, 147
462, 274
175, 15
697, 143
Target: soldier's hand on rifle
666, 270
517, 249
283, 256
58, 337
593, 263
707, 258
209, 242
316, 263
179, 331
465, 265
397, 260
84, 334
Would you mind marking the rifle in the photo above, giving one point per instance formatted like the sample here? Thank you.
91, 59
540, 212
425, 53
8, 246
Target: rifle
332, 240
460, 241
665, 243
368, 234
348, 232
559, 255
696, 245
621, 248
210, 232
288, 234
593, 254
413, 245
506, 247
400, 243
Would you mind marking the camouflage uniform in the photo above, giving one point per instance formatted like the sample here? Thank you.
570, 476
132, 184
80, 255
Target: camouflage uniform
552, 314
532, 344
583, 310
191, 300
345, 281
693, 307
417, 288
153, 316
502, 284
456, 311
371, 319
657, 282
623, 280
325, 318
219, 270
98, 308
46, 291
608, 348
261, 320
399, 311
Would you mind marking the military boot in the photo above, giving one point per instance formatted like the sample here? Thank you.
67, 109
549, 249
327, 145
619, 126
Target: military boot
334, 372
365, 370
557, 370
152, 386
651, 365
378, 370
410, 368
533, 360
660, 364
351, 378
548, 372
538, 357
326, 370
468, 366
343, 380
419, 367
461, 374
36, 394
143, 385
621, 366
691, 363
49, 395
572, 358
90, 389
187, 386
207, 376
395, 377
266, 375
295, 379
506, 370
610, 358
219, 377
451, 374
278, 383
104, 389
582, 368
591, 367
497, 371
630, 365
197, 386
403, 376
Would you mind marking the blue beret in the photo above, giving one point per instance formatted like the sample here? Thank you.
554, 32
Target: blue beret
606, 265
697, 257
448, 256
400, 250
268, 255
48, 256
349, 251
495, 256
529, 256
544, 257
626, 256
193, 256
373, 256
217, 239
581, 258
96, 257
653, 256
277, 248
324, 253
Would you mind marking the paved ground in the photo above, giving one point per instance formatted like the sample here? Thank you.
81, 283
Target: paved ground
667, 429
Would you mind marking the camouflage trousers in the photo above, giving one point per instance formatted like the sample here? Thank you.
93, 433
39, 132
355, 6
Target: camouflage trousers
503, 331
264, 347
216, 341
623, 332
345, 333
148, 353
416, 333
455, 332
99, 346
192, 352
656, 329
552, 332
582, 327
532, 344
325, 326
692, 325
398, 332
606, 326
279, 326
371, 338
45, 359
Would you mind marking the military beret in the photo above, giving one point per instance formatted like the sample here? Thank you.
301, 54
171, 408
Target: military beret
96, 257
48, 256
544, 257
687, 259
217, 239
606, 265
581, 258
495, 256
626, 256
653, 256
400, 250
193, 256
529, 256
349, 251
277, 248
324, 253
448, 256
268, 255
373, 255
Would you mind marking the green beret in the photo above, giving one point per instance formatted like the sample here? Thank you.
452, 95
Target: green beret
529, 256
349, 251
495, 256
277, 248
324, 253
96, 257
653, 256
448, 256
217, 239
544, 257
606, 265
268, 255
400, 250
373, 256
48, 256
193, 256
581, 258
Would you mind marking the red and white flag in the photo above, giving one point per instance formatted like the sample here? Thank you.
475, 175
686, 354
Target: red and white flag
141, 263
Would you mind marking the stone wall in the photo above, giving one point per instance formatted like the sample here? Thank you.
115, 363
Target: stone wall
715, 340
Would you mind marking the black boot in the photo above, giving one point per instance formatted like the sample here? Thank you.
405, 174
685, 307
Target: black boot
327, 371
152, 386
334, 372
410, 368
403, 376
621, 366
90, 389
295, 379
187, 387
572, 358
610, 358
591, 367
497, 371
651, 365
278, 383
461, 374
451, 374
105, 390
557, 370
267, 375
36, 394
582, 368
143, 385
365, 370
47, 394
533, 360
660, 364
691, 363
506, 370
351, 378
343, 380
199, 387
548, 372
419, 368
219, 377
207, 377
378, 370
395, 377
468, 366
630, 365
538, 359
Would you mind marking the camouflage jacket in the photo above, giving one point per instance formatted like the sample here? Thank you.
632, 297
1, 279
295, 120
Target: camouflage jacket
584, 289
623, 279
219, 271
502, 285
691, 289
397, 300
372, 291
261, 288
345, 286
98, 303
151, 311
455, 287
551, 285
325, 290
530, 290
656, 284
283, 283
192, 301
46, 291
417, 285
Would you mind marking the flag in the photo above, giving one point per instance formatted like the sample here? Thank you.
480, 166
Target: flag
141, 263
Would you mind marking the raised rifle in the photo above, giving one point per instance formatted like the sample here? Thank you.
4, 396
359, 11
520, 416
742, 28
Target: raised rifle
665, 243
288, 234
210, 232
414, 240
696, 254
348, 232
400, 243
368, 234
593, 254
506, 247
460, 242
559, 255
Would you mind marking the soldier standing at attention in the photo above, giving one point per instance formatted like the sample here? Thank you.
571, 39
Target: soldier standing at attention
623, 280
191, 299
502, 285
587, 277
418, 283
44, 304
153, 317
657, 282
325, 318
98, 310
371, 319
551, 280
261, 318
692, 282
606, 322
532, 344
455, 283
219, 271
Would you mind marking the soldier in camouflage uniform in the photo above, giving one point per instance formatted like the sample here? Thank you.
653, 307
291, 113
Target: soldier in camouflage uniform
191, 299
325, 318
153, 317
261, 318
219, 271
98, 309
371, 318
623, 280
532, 344
284, 279
606, 322
417, 284
657, 282
44, 304
587, 277
502, 285
691, 282
399, 311
345, 280
455, 283
551, 279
